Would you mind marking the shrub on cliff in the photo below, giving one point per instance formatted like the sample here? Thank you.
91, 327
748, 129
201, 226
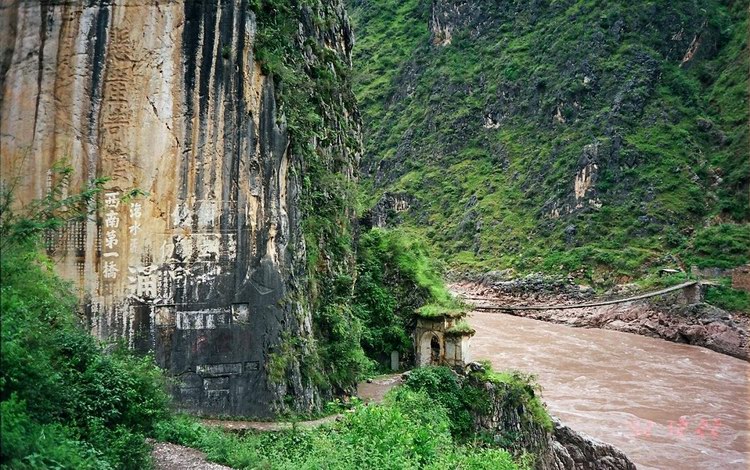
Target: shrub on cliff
395, 277
312, 86
468, 401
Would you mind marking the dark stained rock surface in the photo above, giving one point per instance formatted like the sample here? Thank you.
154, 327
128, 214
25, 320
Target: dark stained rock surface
207, 269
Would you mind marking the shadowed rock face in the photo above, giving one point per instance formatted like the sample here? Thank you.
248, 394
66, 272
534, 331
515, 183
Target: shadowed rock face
205, 270
569, 449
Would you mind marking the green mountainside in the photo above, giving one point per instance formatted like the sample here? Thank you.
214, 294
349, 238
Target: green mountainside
598, 138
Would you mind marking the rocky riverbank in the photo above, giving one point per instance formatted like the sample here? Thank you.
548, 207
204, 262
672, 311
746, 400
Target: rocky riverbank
671, 317
570, 449
557, 447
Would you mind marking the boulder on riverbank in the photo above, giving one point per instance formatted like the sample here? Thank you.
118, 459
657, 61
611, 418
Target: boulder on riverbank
569, 449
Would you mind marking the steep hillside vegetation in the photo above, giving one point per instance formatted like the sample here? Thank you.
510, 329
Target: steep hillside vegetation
599, 138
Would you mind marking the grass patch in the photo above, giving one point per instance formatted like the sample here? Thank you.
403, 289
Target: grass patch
461, 327
727, 298
720, 246
454, 310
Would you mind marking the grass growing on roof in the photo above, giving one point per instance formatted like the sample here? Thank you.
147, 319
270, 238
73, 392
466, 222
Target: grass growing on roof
435, 310
460, 328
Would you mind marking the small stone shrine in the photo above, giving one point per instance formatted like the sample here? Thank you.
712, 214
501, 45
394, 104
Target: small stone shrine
442, 339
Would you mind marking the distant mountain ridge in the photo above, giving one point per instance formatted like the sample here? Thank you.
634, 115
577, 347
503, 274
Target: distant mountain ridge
594, 137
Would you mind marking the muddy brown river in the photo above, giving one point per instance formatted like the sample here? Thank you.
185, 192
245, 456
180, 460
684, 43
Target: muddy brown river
666, 405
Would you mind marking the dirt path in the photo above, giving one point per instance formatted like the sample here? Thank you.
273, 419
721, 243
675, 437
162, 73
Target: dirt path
375, 390
267, 426
173, 457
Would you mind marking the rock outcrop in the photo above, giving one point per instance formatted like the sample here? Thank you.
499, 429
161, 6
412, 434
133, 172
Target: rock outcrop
571, 450
207, 270
512, 420
388, 209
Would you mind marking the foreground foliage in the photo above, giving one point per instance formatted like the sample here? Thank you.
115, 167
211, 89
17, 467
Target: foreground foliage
409, 430
65, 401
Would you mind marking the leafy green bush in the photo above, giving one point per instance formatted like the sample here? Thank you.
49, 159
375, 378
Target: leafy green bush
66, 403
409, 430
57, 378
27, 444
340, 343
465, 398
443, 386
395, 278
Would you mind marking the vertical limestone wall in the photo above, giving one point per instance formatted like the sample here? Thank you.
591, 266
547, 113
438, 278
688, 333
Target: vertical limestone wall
165, 96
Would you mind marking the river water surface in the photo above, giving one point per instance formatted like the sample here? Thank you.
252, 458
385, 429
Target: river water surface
666, 405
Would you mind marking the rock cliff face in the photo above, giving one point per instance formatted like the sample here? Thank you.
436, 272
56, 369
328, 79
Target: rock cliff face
207, 269
569, 449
